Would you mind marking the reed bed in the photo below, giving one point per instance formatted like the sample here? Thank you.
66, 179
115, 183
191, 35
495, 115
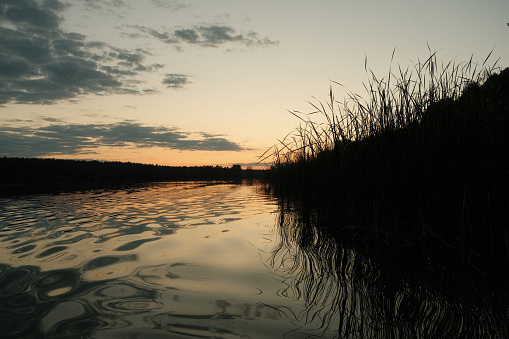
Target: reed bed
423, 159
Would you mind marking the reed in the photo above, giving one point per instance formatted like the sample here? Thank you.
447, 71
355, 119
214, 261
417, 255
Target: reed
422, 159
392, 103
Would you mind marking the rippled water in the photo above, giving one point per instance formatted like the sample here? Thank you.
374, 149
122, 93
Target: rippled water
213, 260
169, 260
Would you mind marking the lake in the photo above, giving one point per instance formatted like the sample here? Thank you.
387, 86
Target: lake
201, 260
179, 260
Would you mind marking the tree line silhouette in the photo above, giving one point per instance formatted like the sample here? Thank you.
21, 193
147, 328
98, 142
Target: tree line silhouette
44, 171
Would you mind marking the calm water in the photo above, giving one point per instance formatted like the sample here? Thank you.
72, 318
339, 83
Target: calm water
202, 260
186, 260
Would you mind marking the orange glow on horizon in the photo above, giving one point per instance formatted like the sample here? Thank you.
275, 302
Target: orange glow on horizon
167, 157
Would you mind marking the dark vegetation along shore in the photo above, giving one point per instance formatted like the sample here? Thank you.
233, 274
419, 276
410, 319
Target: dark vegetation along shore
32, 175
421, 166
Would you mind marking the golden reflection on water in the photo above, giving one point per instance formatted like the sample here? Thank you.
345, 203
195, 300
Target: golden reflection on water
55, 232
180, 259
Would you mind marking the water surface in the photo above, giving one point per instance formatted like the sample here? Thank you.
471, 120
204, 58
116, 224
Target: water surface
216, 260
179, 260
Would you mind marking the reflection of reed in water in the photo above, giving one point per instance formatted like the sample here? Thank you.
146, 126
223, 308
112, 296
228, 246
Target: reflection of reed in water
351, 291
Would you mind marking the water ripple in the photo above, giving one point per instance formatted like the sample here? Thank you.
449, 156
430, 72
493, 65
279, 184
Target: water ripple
41, 226
141, 262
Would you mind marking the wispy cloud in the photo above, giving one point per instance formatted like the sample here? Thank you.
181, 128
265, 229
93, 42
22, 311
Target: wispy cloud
61, 139
172, 5
99, 4
207, 36
41, 63
176, 81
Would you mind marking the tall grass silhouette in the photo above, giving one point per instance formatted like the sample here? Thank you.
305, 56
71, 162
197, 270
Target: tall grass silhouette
422, 160
393, 102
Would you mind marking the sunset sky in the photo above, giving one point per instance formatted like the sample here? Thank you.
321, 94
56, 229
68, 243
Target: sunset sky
178, 82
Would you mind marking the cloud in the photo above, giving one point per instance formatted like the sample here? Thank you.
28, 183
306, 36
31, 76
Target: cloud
215, 35
107, 8
49, 119
41, 63
62, 139
207, 36
172, 5
187, 35
99, 4
29, 12
176, 80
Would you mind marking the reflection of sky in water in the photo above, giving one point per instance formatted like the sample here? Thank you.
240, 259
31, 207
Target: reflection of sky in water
99, 227
179, 259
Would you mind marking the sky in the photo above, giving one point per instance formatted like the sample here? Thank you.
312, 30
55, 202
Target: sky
192, 83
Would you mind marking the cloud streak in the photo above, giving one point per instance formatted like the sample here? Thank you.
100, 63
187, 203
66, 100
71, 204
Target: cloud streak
99, 4
172, 5
207, 36
176, 81
42, 64
72, 139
